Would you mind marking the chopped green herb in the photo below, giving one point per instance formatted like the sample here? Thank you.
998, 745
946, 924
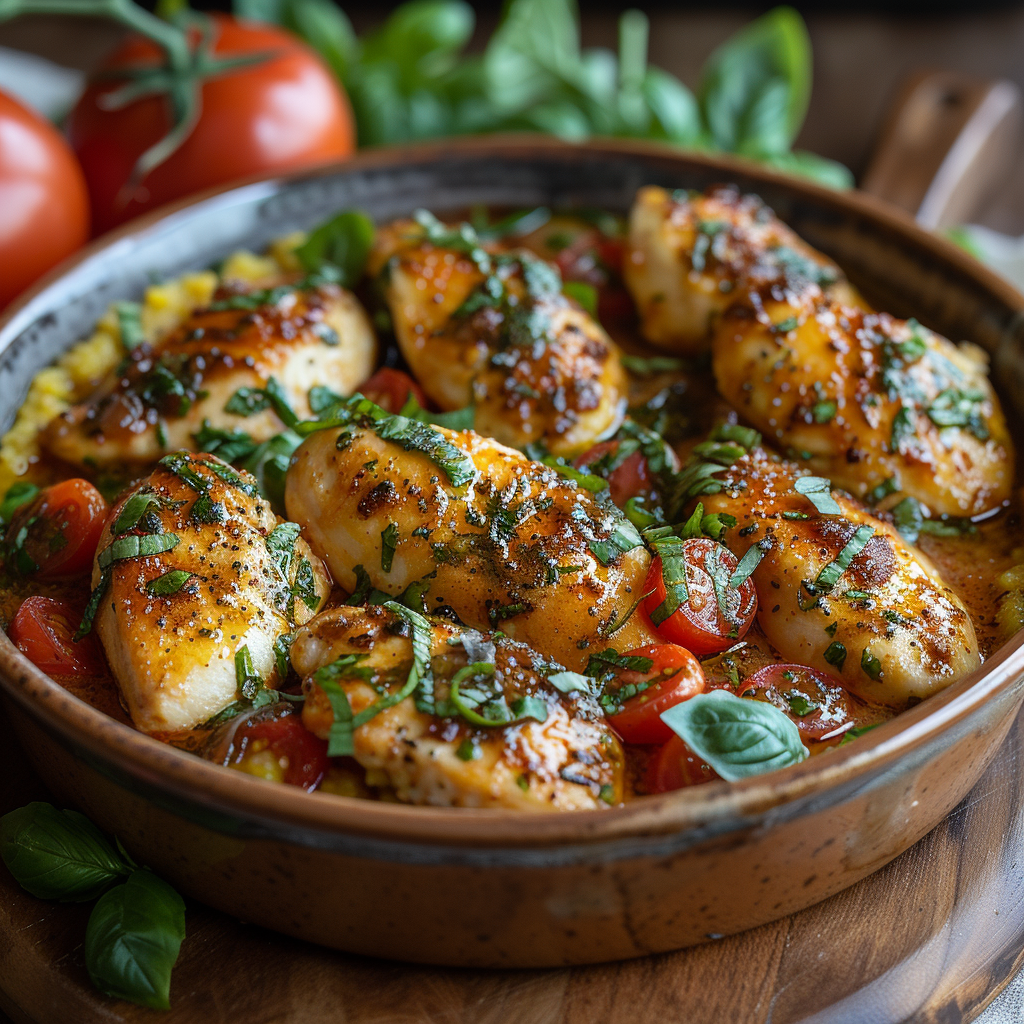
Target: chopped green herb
169, 583
835, 654
388, 542
870, 664
747, 564
129, 322
818, 490
249, 681
828, 576
135, 546
652, 364
800, 704
17, 495
824, 411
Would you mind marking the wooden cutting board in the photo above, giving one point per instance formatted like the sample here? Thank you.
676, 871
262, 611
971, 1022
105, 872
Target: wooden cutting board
932, 937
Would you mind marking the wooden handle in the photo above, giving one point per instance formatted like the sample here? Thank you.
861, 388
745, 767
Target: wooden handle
948, 142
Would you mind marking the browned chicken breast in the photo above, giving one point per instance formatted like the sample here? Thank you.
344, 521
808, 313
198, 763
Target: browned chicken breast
501, 541
868, 400
194, 581
494, 330
215, 368
691, 255
842, 591
545, 751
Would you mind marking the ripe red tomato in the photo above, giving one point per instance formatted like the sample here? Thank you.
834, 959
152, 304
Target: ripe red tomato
282, 113
700, 624
595, 259
674, 766
818, 704
302, 755
56, 533
390, 389
631, 477
675, 675
42, 629
44, 206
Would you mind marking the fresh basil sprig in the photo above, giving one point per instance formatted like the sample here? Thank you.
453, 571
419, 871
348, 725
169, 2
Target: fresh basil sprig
739, 737
411, 79
136, 929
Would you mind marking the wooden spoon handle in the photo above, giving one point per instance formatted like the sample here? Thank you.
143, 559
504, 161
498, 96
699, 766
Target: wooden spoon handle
948, 142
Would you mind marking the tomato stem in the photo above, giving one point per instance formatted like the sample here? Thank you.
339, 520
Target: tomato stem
168, 37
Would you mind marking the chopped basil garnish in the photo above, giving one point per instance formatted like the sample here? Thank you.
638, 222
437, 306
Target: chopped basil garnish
747, 564
388, 544
828, 576
652, 365
800, 704
955, 407
136, 546
818, 490
824, 411
343, 243
669, 548
835, 654
624, 537
17, 495
458, 419
129, 322
871, 666
248, 680
169, 583
409, 434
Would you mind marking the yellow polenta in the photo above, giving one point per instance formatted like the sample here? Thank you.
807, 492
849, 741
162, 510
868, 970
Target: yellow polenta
78, 372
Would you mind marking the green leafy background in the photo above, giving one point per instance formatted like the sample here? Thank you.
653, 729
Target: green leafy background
412, 79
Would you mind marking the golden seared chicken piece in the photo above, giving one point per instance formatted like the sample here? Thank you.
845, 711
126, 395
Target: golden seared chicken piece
501, 541
843, 592
192, 572
865, 398
691, 255
547, 751
161, 396
495, 330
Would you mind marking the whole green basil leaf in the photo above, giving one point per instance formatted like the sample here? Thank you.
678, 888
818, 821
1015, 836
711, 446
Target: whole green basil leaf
422, 37
755, 88
344, 241
272, 11
810, 165
133, 939
737, 736
326, 28
673, 106
58, 855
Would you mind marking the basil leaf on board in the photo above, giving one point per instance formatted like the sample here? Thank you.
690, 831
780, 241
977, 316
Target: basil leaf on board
737, 736
133, 939
58, 855
344, 241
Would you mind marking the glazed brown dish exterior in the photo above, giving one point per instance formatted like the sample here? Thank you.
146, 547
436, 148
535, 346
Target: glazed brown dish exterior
499, 888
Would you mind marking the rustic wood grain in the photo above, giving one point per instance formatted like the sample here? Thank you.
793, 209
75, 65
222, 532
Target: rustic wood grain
930, 938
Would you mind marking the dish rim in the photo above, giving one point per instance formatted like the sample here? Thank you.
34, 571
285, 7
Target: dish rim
202, 783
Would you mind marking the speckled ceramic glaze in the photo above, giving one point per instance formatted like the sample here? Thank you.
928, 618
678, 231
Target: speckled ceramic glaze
499, 888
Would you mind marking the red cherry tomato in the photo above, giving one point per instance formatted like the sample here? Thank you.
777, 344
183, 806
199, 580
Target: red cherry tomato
390, 389
43, 628
674, 766
56, 533
302, 755
674, 676
629, 478
44, 206
273, 115
701, 625
818, 704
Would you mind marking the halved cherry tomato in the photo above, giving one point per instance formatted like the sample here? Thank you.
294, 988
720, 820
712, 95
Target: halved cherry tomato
595, 259
56, 533
631, 477
302, 755
674, 676
818, 704
674, 766
716, 615
42, 629
390, 389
